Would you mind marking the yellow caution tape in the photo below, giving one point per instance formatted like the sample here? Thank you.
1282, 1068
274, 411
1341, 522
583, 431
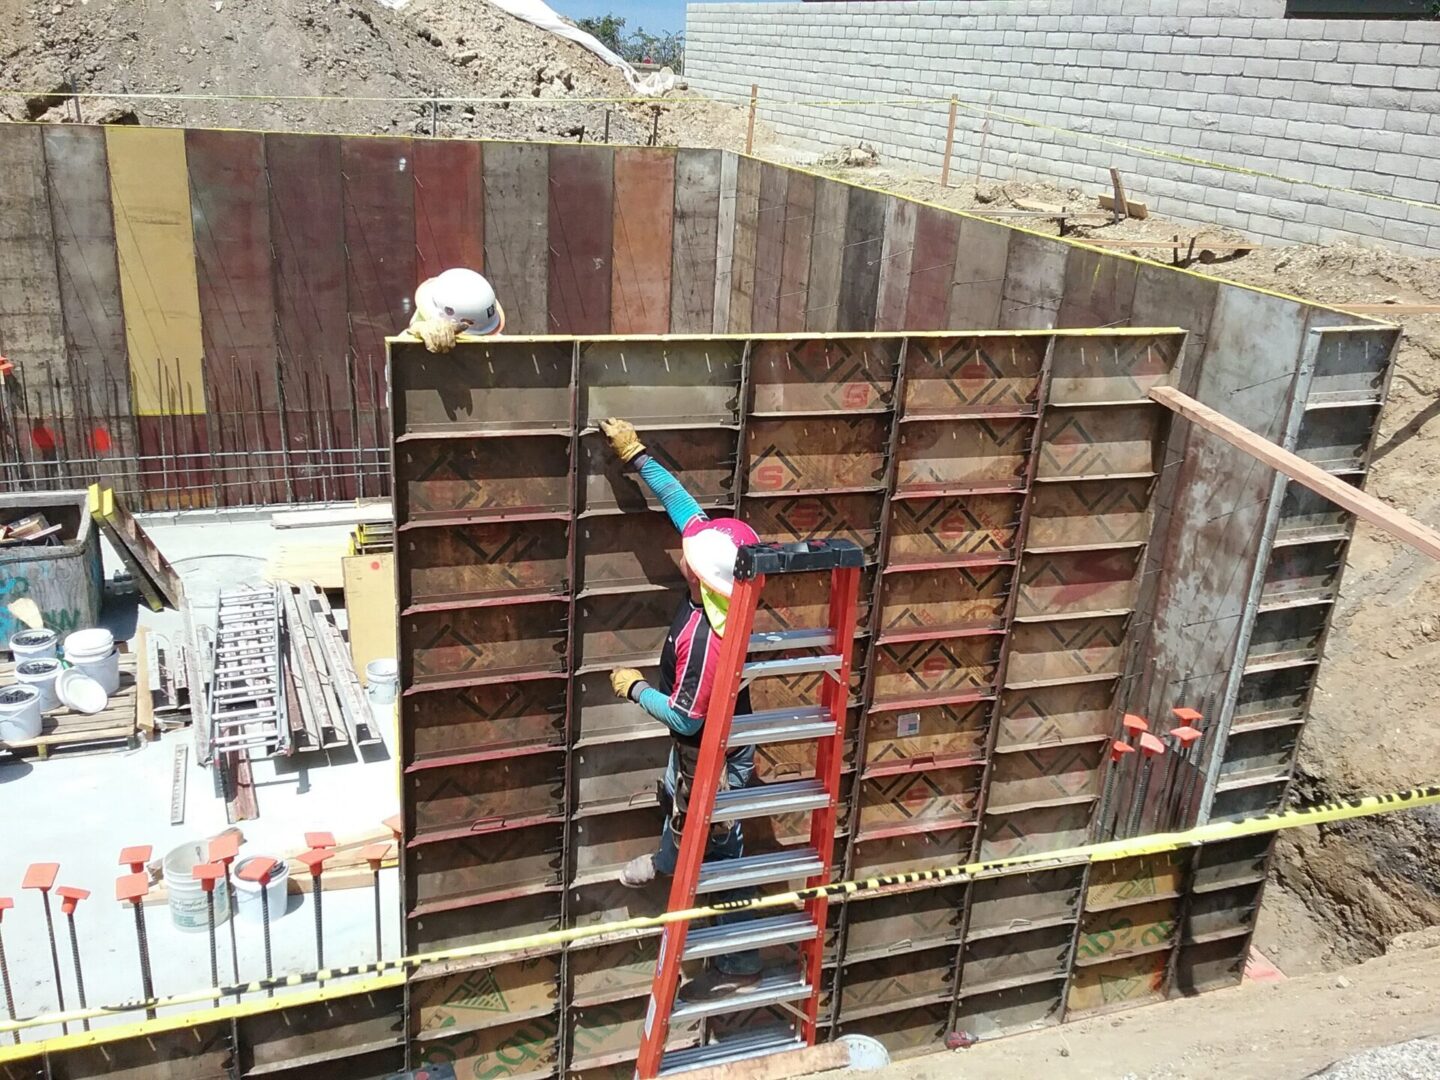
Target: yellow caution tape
393, 972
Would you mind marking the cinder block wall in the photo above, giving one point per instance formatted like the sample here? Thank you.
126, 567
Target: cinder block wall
1348, 103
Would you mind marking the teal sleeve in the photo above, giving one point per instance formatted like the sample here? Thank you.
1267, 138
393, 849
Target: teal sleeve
658, 705
678, 502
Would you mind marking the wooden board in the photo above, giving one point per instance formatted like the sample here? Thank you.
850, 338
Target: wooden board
725, 241
517, 220
449, 205
320, 563
696, 220
581, 239
769, 247
742, 257
370, 608
827, 250
978, 281
861, 260
795, 258
896, 259
932, 264
643, 231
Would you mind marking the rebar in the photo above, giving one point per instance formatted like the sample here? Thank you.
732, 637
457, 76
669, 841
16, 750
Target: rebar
265, 930
9, 994
378, 916
319, 925
79, 975
147, 983
234, 949
214, 957
54, 958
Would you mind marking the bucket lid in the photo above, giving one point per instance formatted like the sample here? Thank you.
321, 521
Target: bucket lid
95, 641
80, 692
385, 668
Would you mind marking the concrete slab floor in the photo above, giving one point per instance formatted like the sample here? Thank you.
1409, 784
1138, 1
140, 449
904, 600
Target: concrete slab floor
80, 809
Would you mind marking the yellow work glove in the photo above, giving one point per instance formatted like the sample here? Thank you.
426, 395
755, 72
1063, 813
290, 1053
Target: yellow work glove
623, 439
623, 680
437, 334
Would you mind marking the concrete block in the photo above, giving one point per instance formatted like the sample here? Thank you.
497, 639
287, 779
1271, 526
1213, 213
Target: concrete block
1405, 232
1374, 75
1365, 118
1362, 225
1387, 97
1299, 232
1325, 174
1247, 47
1318, 153
1286, 210
1340, 29
1386, 142
1262, 67
1297, 69
1334, 73
1321, 50
1282, 48
1203, 27
1252, 204
1357, 52
1417, 78
1397, 165
1325, 216
1423, 32
1423, 190
1185, 45
1382, 30
1351, 157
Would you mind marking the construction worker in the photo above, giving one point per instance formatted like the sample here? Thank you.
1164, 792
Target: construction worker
455, 302
681, 696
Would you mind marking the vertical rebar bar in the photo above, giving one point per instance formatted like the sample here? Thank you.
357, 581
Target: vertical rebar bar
234, 949
375, 873
214, 955
79, 975
265, 930
319, 924
54, 957
9, 994
147, 981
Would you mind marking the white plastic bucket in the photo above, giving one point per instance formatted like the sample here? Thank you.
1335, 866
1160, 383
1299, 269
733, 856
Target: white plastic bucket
187, 898
19, 713
40, 673
93, 652
247, 893
382, 680
33, 644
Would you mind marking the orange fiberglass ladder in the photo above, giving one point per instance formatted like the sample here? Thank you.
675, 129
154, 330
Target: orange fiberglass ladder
796, 985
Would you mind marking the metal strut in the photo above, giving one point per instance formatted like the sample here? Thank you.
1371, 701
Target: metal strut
794, 983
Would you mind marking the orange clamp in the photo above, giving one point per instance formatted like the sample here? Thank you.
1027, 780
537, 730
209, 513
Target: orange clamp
207, 874
395, 825
1119, 749
1135, 725
132, 888
5, 905
315, 860
1185, 735
224, 848
1150, 745
70, 898
40, 875
375, 854
135, 857
1186, 715
320, 839
257, 870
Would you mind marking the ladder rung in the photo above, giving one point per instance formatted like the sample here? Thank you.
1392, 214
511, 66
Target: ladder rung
773, 988
740, 1048
795, 665
758, 870
781, 725
791, 797
774, 640
750, 934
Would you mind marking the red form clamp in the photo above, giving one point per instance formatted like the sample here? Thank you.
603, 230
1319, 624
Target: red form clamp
41, 875
1185, 735
70, 898
323, 840
6, 903
257, 870
1151, 746
1135, 725
132, 888
1118, 750
315, 859
395, 825
1187, 715
375, 854
135, 857
207, 874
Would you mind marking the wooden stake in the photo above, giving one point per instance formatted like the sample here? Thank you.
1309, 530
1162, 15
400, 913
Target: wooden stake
750, 124
1121, 209
1401, 526
949, 144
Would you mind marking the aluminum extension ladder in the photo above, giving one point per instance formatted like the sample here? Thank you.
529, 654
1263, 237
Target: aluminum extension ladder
246, 697
795, 986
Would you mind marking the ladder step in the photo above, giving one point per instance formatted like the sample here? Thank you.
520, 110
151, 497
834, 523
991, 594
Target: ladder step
774, 640
781, 725
764, 869
795, 665
791, 797
773, 988
750, 934
752, 1045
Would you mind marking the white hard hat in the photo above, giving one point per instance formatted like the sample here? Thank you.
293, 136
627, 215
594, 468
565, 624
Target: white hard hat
463, 297
710, 547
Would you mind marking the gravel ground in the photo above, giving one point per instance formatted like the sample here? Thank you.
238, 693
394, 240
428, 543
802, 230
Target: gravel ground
1418, 1059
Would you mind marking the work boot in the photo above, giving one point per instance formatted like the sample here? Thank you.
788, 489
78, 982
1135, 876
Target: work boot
638, 872
711, 985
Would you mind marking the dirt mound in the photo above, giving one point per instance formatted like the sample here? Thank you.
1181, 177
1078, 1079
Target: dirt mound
298, 49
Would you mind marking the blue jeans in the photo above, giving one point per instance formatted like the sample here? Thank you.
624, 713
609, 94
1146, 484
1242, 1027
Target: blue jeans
729, 846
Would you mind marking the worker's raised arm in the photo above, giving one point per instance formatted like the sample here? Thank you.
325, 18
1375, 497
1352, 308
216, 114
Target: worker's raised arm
631, 685
679, 504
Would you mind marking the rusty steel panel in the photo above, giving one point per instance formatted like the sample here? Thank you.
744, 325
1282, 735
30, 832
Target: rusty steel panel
1095, 370
1336, 439
484, 997
613, 971
449, 203
861, 259
448, 875
642, 237
1099, 290
953, 531
624, 629
923, 671
607, 900
1350, 367
621, 775
904, 1032
1025, 777
338, 1027
474, 719
972, 375
918, 801
748, 173
517, 233
1074, 649
816, 454
379, 200
1034, 278
1309, 571
706, 459
896, 259
1088, 581
803, 600
475, 479
978, 279
1100, 442
911, 851
1211, 966
1090, 514
820, 375
902, 922
659, 383
180, 445
938, 457
496, 386
921, 737
519, 1049
484, 795
959, 598
202, 1052
769, 248
697, 214
598, 715
581, 238
604, 843
872, 985
795, 256
1007, 833
1027, 955
932, 265
1021, 901
1232, 862
817, 517
627, 551
1009, 1012
482, 643
451, 563
1055, 714
1229, 912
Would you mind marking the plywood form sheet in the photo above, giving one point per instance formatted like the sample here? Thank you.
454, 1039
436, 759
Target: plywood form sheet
882, 985
941, 457
494, 386
518, 1049
823, 375
485, 561
896, 258
903, 922
921, 737
603, 843
624, 629
1075, 649
827, 252
1054, 714
324, 1030
1078, 582
978, 280
643, 228
484, 997
918, 801
1034, 278
1026, 956
581, 239
793, 300
932, 266
612, 971
954, 531
481, 795
480, 479
449, 202
517, 237
476, 645
816, 454
1091, 514
1023, 901
697, 220
1009, 1012
446, 876
1024, 777
609, 1033
1009, 832
476, 720
818, 517
958, 598
623, 552
1099, 289
904, 1032
946, 376
862, 259
660, 383
769, 248
704, 458
798, 601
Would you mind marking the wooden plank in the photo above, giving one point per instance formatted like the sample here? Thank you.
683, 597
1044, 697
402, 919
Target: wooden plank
320, 563
581, 239
827, 252
643, 241
932, 264
449, 206
379, 223
978, 282
133, 537
860, 262
1132, 208
742, 261
150, 196
313, 681
517, 220
795, 258
31, 331
89, 277
145, 684
769, 247
1034, 282
696, 222
1401, 526
896, 258
725, 241
370, 608
1181, 243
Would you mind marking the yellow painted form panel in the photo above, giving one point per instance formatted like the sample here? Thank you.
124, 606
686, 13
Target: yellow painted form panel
150, 194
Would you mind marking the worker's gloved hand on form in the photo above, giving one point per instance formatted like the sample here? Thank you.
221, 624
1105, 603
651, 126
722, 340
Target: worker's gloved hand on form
438, 335
624, 680
623, 440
